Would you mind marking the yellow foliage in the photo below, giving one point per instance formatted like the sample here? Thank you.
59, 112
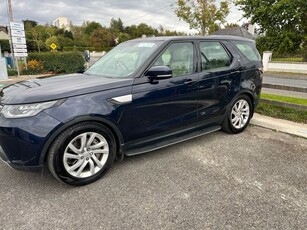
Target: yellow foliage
35, 65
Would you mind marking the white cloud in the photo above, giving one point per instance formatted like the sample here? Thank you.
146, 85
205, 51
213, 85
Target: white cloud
154, 13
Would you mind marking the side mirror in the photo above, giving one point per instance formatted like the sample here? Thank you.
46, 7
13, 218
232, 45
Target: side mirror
87, 55
159, 73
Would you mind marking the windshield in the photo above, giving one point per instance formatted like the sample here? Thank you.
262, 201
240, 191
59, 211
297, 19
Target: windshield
124, 59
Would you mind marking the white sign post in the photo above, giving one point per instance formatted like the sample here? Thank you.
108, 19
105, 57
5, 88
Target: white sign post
17, 31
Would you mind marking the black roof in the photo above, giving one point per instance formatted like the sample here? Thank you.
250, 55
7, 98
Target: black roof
180, 38
236, 31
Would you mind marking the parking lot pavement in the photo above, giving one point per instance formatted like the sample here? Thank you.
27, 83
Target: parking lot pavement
254, 180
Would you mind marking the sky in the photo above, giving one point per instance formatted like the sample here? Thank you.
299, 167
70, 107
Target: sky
154, 12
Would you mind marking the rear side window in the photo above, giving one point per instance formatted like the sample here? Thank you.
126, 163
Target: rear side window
213, 55
249, 50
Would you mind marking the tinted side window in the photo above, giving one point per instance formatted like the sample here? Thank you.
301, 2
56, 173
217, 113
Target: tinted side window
213, 55
248, 50
179, 57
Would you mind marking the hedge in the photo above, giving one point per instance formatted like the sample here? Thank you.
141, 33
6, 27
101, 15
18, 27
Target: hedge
12, 72
82, 49
59, 62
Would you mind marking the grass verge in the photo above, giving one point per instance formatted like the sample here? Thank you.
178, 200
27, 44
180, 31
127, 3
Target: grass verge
290, 114
288, 59
292, 100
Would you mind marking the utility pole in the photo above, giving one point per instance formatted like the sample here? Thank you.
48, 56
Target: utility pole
11, 19
10, 11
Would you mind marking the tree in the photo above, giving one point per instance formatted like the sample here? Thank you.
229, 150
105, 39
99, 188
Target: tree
91, 26
38, 35
136, 31
80, 38
282, 21
101, 38
231, 25
5, 45
28, 24
122, 37
116, 26
202, 15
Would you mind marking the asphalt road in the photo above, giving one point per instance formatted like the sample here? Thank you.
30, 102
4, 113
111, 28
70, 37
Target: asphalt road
254, 180
281, 80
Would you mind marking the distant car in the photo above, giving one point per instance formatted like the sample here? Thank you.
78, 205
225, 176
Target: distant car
143, 95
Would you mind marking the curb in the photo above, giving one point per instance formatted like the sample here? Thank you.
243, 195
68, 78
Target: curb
280, 125
285, 87
284, 104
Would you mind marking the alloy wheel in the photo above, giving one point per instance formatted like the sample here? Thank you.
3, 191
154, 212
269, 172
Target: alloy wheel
86, 155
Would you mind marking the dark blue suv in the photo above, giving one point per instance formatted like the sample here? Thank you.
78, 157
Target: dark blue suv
143, 95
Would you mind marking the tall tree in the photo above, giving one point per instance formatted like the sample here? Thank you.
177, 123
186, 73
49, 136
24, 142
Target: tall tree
202, 15
116, 26
102, 38
231, 25
282, 21
91, 26
28, 24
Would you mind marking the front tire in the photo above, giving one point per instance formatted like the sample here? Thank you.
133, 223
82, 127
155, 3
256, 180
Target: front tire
82, 154
239, 115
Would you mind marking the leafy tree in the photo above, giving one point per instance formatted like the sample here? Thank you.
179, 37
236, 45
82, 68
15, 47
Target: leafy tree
28, 24
136, 31
91, 26
64, 41
81, 39
5, 45
68, 34
122, 37
282, 21
59, 32
116, 26
38, 35
202, 15
101, 38
231, 25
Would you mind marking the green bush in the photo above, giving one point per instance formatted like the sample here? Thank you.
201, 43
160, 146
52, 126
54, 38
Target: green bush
12, 72
59, 62
82, 49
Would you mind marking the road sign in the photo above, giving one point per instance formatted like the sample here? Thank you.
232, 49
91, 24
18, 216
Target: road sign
21, 54
53, 46
18, 40
16, 46
18, 33
20, 50
17, 26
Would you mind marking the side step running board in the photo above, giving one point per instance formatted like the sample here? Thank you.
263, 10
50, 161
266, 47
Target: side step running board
168, 142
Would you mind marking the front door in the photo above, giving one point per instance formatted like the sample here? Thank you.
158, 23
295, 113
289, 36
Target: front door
169, 105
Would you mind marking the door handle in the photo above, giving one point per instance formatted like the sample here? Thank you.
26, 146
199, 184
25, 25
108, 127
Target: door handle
189, 82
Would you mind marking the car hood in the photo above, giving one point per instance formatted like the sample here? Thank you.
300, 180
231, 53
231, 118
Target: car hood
57, 87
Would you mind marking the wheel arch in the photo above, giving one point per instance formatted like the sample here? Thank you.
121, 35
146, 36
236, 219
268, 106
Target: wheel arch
251, 97
243, 92
102, 121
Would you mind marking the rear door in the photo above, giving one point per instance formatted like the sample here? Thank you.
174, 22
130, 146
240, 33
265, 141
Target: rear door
219, 80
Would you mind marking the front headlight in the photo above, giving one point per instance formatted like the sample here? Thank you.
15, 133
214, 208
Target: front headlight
26, 110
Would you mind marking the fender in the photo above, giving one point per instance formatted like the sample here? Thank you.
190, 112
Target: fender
109, 124
244, 91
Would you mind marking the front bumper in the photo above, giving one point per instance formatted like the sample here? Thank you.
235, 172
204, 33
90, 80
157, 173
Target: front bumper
22, 140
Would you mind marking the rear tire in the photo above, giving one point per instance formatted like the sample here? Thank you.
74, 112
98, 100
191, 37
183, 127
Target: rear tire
239, 115
82, 154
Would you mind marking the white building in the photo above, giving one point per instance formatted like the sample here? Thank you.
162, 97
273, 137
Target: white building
62, 23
